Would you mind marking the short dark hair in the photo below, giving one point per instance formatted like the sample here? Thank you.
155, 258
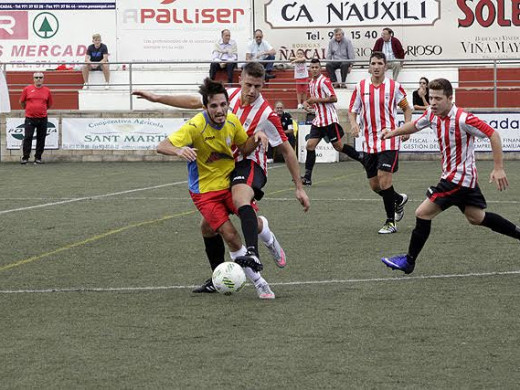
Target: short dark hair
390, 31
377, 54
315, 61
210, 88
441, 85
254, 69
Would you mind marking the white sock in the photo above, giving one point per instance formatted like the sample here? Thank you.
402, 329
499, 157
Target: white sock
265, 235
254, 277
241, 252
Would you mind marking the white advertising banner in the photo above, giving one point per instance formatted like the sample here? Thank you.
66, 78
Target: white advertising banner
428, 29
52, 31
325, 152
179, 30
116, 133
15, 131
506, 123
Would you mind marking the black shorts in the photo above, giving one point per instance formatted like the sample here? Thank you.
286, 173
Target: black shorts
250, 173
331, 133
387, 161
446, 194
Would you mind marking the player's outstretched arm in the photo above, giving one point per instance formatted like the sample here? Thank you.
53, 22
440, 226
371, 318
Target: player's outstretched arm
294, 168
407, 128
498, 174
190, 102
167, 148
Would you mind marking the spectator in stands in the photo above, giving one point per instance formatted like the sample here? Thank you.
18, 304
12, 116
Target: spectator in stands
341, 51
421, 96
261, 51
224, 56
5, 106
35, 100
301, 75
96, 59
287, 126
393, 50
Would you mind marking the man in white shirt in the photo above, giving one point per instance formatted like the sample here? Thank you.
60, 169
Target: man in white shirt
260, 50
224, 56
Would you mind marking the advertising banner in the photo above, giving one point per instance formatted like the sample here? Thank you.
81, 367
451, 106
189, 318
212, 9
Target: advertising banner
506, 123
427, 29
116, 133
50, 31
15, 131
325, 152
179, 30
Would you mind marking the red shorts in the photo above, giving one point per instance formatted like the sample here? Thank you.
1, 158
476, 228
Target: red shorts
215, 206
302, 85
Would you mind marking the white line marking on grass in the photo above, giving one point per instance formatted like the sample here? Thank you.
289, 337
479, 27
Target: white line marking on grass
300, 283
91, 197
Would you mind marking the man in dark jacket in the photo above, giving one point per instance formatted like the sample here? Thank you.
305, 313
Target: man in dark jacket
393, 50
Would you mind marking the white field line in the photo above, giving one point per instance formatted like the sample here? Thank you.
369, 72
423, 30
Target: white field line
93, 197
299, 283
148, 198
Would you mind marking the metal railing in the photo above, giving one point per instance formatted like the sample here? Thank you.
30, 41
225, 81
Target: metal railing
132, 84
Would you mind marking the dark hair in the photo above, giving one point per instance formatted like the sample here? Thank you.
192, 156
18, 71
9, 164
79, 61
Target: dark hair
441, 85
254, 69
223, 31
260, 31
315, 61
390, 31
379, 55
210, 88
425, 79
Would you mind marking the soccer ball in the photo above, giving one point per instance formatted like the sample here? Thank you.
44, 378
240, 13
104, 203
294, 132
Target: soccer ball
229, 278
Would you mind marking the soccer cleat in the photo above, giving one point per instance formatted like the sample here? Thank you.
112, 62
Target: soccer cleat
306, 182
388, 228
277, 252
206, 287
399, 262
38, 161
264, 291
399, 208
250, 260
24, 161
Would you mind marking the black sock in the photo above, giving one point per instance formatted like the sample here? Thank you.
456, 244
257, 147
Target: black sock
501, 225
215, 250
249, 227
309, 163
389, 201
351, 152
420, 235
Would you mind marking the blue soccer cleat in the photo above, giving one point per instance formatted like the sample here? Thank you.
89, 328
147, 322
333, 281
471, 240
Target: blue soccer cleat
399, 262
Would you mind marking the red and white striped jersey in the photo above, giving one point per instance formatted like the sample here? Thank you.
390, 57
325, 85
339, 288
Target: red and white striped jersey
257, 116
456, 134
325, 112
376, 108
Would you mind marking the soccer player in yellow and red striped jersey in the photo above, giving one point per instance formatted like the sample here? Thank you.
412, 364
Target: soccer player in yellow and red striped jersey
205, 142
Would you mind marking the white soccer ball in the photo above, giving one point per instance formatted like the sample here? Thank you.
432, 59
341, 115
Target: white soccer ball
229, 278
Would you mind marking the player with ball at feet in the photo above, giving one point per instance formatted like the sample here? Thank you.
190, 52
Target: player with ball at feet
205, 142
456, 131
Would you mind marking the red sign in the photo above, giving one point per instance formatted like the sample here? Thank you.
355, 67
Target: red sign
14, 25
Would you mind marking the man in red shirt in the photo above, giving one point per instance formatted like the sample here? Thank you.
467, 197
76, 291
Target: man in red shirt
35, 99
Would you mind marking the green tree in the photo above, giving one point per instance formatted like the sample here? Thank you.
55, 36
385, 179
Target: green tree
45, 27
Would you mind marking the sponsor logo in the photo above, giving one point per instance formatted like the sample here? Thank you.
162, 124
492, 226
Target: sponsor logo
239, 178
14, 25
423, 50
386, 165
18, 132
183, 15
294, 13
209, 138
486, 13
45, 25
